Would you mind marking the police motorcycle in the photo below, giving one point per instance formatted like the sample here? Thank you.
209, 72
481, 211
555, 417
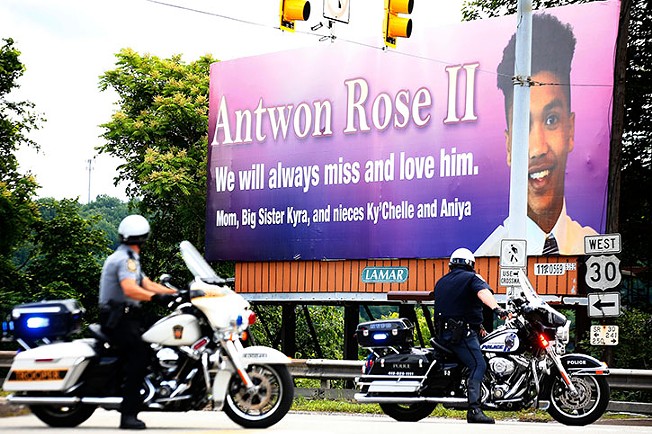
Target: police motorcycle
197, 359
526, 368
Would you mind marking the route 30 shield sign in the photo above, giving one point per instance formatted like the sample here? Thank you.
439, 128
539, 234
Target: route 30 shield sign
603, 272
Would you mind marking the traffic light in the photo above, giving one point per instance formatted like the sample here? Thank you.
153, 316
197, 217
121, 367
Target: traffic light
293, 10
395, 26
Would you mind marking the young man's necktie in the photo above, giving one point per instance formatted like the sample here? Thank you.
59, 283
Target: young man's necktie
550, 247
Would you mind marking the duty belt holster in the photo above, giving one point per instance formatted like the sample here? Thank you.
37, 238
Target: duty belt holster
113, 312
459, 329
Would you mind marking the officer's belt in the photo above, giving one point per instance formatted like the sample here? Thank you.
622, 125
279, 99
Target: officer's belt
452, 323
127, 309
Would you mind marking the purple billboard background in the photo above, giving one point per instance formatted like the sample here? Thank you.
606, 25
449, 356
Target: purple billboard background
301, 78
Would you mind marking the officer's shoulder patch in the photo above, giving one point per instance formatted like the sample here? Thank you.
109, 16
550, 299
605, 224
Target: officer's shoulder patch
131, 265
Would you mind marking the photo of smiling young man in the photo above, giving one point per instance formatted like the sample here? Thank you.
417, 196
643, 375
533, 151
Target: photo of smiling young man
550, 231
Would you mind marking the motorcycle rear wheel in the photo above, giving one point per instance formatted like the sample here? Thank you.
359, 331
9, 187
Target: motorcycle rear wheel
408, 412
268, 404
583, 409
63, 416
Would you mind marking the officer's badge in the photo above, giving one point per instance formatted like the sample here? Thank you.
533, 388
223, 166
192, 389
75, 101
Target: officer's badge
131, 265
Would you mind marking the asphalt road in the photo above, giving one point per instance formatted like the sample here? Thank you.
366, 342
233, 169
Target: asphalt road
199, 422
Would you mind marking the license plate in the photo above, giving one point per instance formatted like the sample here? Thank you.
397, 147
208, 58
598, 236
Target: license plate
38, 375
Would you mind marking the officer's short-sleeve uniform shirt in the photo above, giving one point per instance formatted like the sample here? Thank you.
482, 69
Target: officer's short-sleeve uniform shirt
124, 263
456, 296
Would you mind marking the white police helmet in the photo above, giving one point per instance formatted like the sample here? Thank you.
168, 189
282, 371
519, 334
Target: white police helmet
133, 229
462, 258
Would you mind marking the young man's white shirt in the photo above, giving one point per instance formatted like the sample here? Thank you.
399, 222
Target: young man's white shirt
568, 233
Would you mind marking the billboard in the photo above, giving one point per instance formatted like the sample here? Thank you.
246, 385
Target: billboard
344, 151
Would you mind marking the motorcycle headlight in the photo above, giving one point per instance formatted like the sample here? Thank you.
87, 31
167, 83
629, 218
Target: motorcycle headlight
240, 322
562, 338
563, 333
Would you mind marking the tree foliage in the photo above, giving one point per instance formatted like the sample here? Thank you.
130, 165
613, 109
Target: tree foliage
69, 254
107, 213
17, 211
327, 321
160, 131
477, 9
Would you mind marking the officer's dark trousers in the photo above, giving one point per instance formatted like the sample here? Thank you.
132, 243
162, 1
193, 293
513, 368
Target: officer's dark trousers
133, 353
468, 351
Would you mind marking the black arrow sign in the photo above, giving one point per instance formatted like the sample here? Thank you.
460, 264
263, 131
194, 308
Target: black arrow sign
602, 304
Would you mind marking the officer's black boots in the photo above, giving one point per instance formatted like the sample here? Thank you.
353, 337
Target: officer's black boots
130, 421
475, 415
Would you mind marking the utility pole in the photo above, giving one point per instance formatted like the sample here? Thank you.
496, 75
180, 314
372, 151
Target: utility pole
89, 167
521, 122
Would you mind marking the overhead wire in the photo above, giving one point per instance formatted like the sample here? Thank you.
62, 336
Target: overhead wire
324, 37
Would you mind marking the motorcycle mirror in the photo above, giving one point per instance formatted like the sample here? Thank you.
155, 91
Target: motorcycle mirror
165, 278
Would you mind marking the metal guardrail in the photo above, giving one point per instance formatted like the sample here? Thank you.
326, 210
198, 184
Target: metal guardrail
6, 358
626, 379
326, 369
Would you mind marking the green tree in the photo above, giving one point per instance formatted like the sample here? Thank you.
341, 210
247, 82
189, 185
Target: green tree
477, 9
17, 211
68, 256
327, 322
110, 212
160, 131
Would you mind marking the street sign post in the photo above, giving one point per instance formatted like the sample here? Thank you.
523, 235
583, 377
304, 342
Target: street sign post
603, 304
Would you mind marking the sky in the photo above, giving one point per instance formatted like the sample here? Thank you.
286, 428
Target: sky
66, 45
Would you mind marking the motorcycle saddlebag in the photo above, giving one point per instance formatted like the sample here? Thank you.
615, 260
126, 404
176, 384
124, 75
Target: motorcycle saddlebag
54, 367
54, 319
412, 364
385, 333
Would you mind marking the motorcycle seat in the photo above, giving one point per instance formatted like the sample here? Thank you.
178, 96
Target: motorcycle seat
96, 331
440, 347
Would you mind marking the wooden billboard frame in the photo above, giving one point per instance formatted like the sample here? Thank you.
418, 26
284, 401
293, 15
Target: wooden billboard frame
340, 280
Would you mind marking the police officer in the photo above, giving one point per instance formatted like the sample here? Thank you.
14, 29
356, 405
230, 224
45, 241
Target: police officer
459, 296
123, 286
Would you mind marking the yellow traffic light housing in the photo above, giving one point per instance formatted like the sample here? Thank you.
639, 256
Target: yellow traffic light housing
293, 10
395, 26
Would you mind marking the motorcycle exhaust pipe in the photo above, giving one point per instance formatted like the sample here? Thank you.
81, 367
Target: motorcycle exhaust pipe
112, 401
64, 400
407, 400
42, 400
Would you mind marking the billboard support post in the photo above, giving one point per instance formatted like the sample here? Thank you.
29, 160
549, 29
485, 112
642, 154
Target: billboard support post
521, 122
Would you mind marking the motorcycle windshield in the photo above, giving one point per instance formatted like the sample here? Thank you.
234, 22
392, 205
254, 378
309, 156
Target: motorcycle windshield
535, 301
197, 264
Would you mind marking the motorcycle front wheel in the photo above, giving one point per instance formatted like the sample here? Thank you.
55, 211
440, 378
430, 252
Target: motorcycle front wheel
63, 416
584, 408
408, 412
264, 406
